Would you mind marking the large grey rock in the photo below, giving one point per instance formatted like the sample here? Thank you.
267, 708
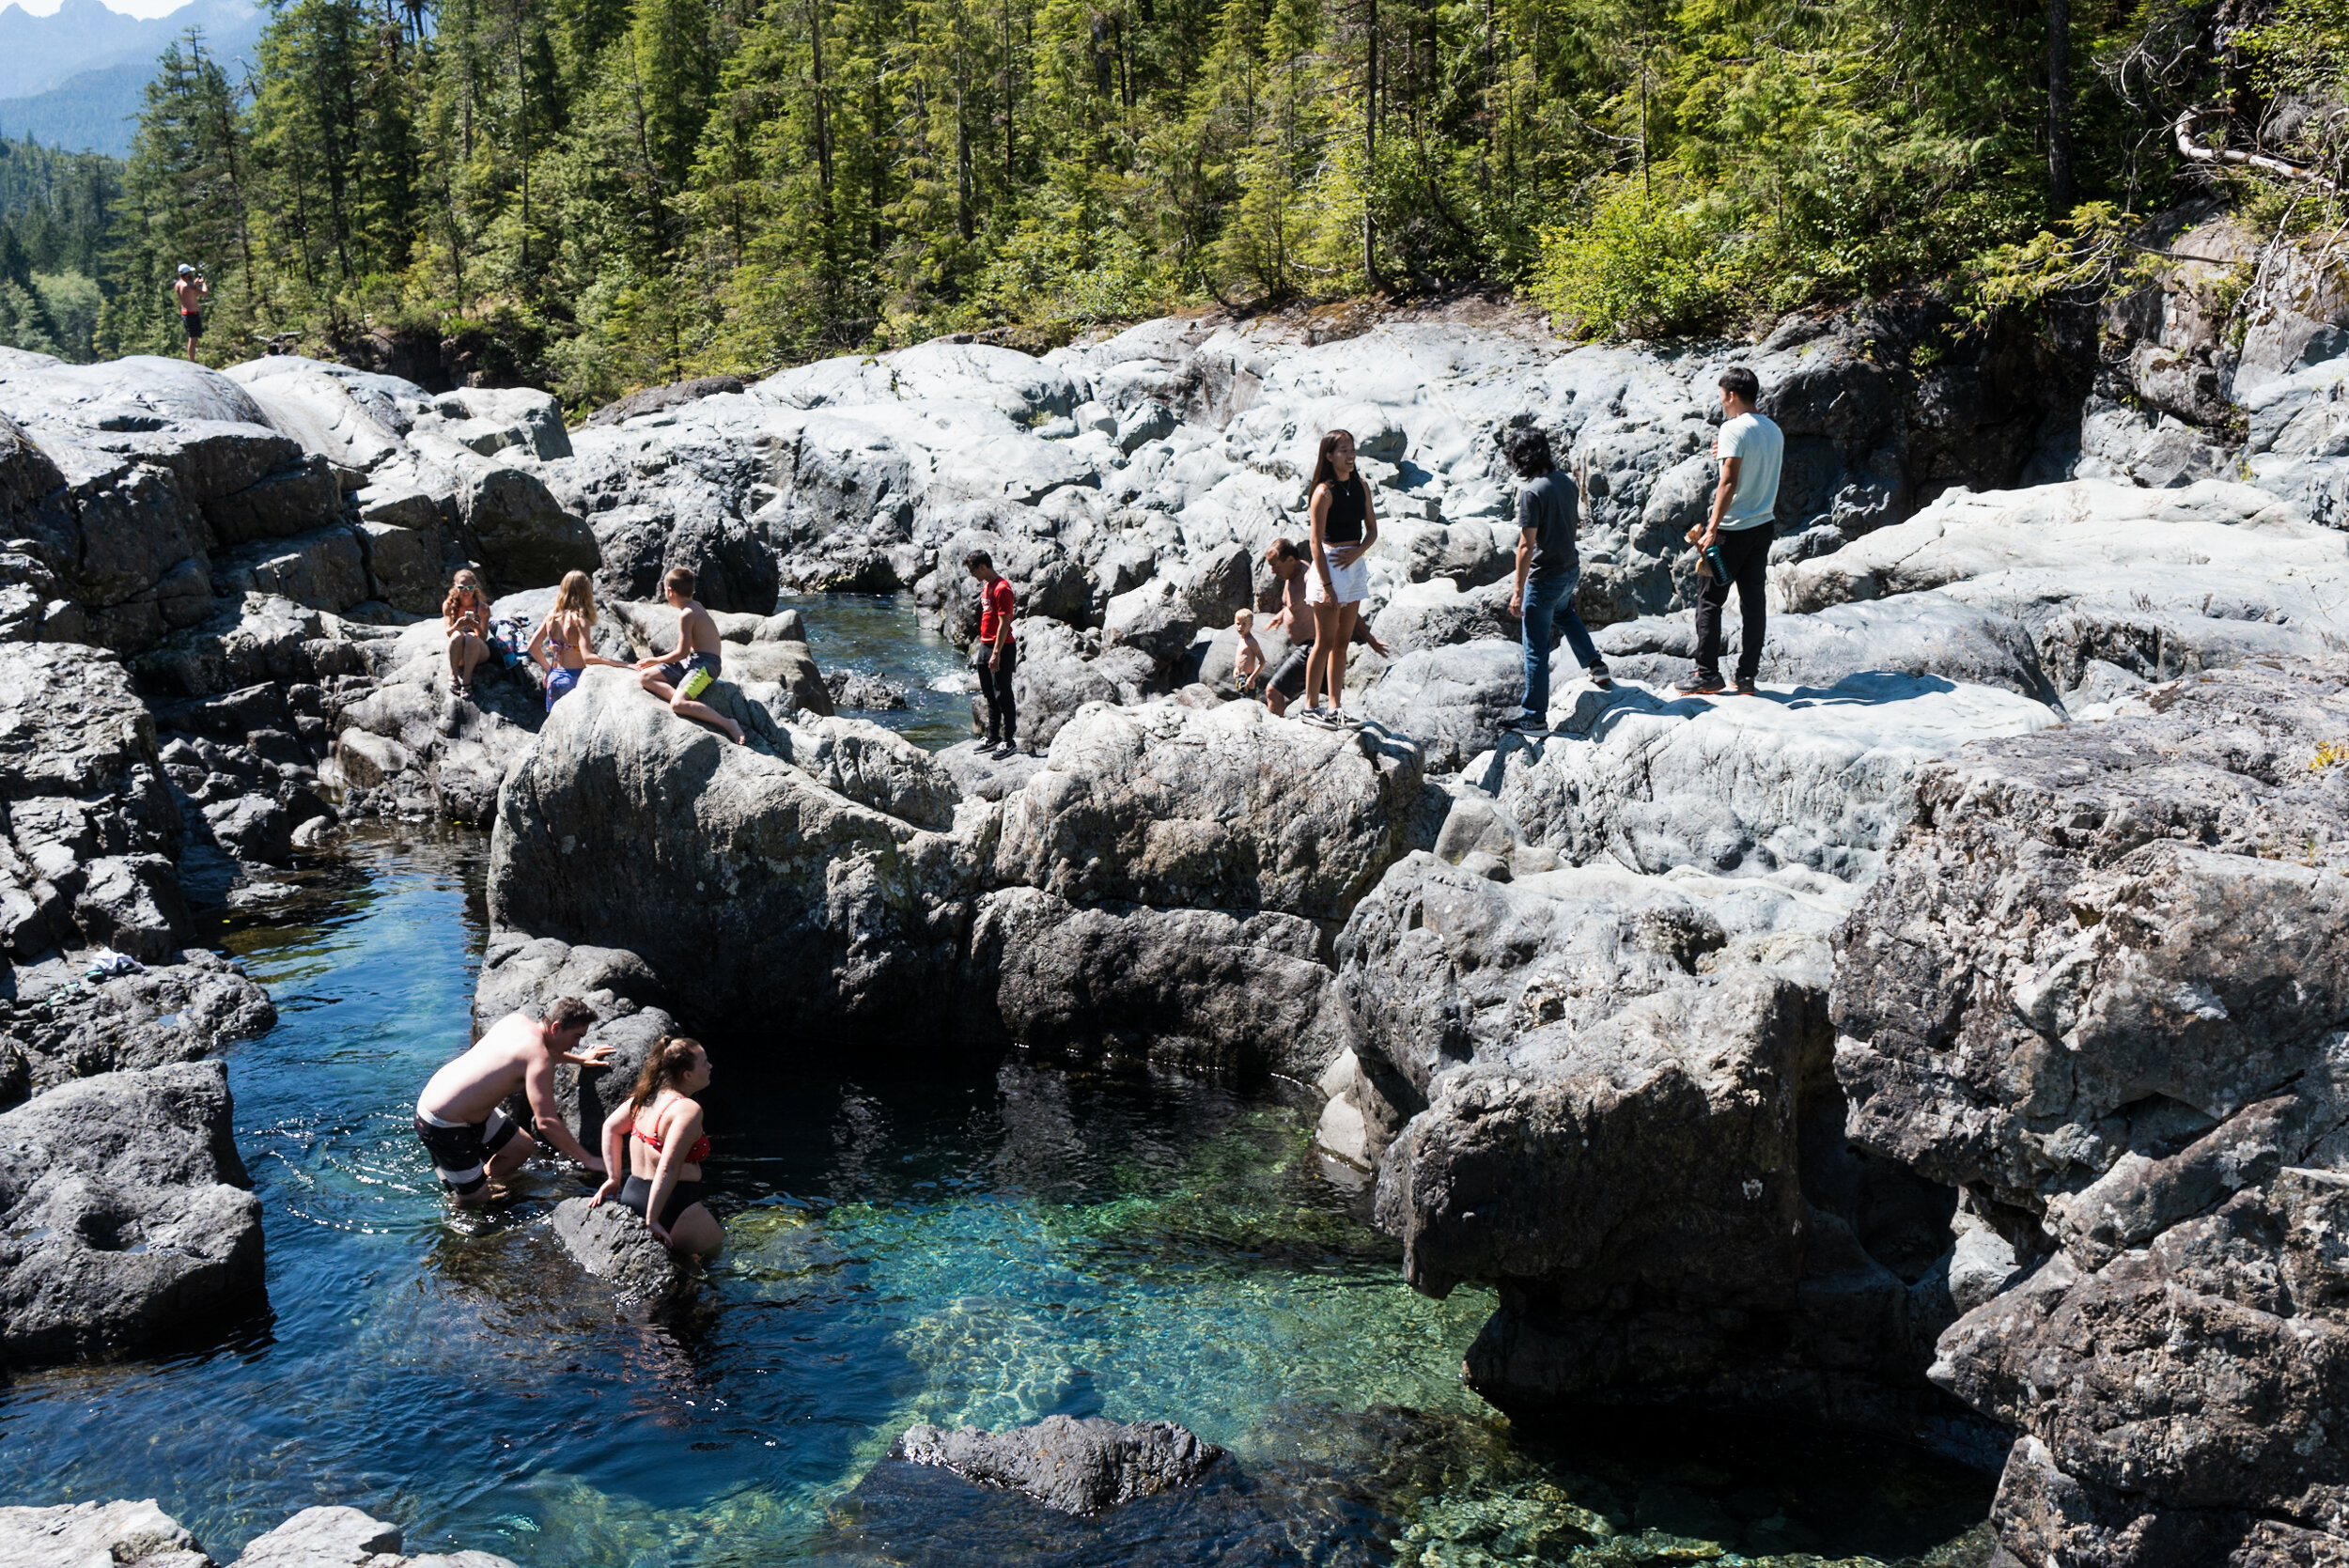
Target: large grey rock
619, 1249
173, 1012
2098, 987
128, 1219
626, 826
88, 816
2154, 583
1078, 1467
419, 745
1224, 808
1062, 669
1121, 984
877, 768
337, 1537
1665, 1200
97, 1536
1453, 702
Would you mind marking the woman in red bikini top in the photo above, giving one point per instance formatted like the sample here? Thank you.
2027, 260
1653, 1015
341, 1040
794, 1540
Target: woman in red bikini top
661, 1126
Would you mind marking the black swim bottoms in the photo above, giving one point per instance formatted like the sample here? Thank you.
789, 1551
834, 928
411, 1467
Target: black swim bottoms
636, 1189
193, 321
460, 1149
1288, 676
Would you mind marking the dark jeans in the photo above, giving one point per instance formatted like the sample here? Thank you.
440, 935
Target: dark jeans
1746, 553
995, 686
1547, 604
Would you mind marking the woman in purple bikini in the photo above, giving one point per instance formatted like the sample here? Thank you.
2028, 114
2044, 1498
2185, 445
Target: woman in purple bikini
559, 645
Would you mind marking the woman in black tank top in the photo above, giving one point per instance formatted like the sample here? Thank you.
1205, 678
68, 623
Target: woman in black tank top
1344, 526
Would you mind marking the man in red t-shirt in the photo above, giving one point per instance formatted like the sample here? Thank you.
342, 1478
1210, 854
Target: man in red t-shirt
995, 658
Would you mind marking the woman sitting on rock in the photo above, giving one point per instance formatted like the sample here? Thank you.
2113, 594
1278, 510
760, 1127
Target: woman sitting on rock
465, 618
661, 1125
560, 645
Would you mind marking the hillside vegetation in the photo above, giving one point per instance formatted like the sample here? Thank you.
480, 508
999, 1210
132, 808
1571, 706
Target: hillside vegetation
599, 195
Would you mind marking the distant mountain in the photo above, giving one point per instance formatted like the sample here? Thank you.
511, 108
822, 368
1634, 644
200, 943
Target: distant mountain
94, 112
76, 79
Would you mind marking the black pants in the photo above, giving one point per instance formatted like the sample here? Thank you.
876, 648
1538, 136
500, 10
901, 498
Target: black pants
995, 686
1747, 551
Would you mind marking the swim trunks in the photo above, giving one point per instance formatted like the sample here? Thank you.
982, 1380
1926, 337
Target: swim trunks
560, 683
693, 677
460, 1149
636, 1191
1288, 676
193, 321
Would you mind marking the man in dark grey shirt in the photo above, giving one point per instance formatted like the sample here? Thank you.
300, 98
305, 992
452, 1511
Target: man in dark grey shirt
1548, 568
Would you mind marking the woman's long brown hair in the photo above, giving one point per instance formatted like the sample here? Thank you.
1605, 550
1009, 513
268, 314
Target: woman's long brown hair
1325, 471
667, 1065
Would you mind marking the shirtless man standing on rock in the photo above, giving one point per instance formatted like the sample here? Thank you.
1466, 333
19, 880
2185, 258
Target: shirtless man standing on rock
1296, 620
472, 1141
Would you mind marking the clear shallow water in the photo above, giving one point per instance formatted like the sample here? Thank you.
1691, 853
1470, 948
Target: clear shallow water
986, 1248
886, 635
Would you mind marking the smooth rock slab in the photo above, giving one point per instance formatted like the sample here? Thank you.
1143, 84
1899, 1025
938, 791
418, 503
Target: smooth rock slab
1078, 1467
1816, 777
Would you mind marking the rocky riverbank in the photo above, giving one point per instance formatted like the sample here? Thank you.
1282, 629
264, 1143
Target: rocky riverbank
1934, 1045
140, 1535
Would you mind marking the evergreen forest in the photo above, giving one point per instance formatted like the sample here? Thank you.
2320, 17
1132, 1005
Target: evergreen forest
609, 193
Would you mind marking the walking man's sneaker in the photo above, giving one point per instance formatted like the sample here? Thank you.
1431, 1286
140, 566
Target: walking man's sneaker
1527, 723
1745, 686
1699, 685
1600, 679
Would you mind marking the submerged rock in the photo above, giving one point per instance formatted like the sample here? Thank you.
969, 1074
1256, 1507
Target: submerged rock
1078, 1467
126, 1218
619, 1249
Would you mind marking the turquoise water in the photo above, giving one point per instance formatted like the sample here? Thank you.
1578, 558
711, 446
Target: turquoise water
887, 635
984, 1249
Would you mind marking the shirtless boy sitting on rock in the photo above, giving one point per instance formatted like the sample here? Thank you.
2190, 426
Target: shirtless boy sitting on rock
676, 678
472, 1141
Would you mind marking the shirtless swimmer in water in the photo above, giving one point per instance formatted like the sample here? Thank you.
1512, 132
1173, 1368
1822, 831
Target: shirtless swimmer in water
472, 1141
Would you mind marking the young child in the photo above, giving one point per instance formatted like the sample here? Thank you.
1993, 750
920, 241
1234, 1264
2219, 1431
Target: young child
679, 678
1250, 664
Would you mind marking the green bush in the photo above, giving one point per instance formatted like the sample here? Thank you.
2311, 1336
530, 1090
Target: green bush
1648, 262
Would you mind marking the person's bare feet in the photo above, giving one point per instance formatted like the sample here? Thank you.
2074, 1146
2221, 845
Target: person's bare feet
735, 733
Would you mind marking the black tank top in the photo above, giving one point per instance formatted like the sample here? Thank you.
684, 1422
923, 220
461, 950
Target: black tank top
1343, 525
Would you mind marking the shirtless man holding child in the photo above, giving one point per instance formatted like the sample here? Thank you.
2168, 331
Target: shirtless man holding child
679, 678
460, 1117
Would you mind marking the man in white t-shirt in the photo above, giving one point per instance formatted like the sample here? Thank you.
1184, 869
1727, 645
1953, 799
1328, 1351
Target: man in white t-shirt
1752, 450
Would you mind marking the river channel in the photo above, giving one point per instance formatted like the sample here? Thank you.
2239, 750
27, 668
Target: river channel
981, 1247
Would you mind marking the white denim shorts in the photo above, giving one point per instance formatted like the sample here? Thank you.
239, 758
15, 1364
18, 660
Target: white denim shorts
1348, 584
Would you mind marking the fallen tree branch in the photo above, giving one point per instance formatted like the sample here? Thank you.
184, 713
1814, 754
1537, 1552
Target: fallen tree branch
2248, 160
